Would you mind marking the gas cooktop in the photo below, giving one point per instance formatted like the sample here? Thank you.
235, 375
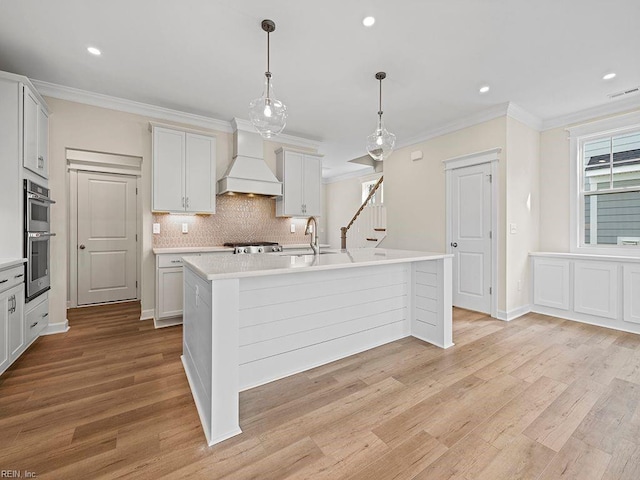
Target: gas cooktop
254, 247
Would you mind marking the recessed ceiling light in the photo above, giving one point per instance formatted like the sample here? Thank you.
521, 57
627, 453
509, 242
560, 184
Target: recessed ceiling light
94, 51
484, 89
368, 21
609, 76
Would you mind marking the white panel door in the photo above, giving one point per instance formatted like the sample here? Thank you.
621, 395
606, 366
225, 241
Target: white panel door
631, 294
107, 265
471, 237
596, 288
200, 173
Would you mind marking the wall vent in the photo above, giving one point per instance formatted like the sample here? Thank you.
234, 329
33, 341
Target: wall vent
624, 93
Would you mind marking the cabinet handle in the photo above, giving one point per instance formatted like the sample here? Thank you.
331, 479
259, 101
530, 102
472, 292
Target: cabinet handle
187, 202
19, 276
182, 202
45, 315
176, 261
33, 324
4, 281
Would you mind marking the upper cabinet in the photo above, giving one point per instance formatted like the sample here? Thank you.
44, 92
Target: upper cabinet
35, 135
301, 177
184, 171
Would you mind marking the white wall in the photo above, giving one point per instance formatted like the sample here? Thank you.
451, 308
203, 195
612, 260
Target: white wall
554, 191
522, 210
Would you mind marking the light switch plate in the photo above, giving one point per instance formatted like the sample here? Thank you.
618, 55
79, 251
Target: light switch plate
185, 228
156, 228
513, 228
293, 228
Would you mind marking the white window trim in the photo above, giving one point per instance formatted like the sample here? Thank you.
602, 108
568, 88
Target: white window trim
578, 135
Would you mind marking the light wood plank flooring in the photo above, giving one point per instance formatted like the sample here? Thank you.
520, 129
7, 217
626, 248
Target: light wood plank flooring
536, 398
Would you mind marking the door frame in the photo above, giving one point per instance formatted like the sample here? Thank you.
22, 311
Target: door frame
487, 156
97, 162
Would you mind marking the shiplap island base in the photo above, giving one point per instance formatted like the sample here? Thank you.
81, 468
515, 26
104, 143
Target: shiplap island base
252, 319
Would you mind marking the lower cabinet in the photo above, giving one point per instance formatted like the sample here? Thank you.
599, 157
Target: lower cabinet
588, 288
12, 332
36, 317
169, 292
169, 287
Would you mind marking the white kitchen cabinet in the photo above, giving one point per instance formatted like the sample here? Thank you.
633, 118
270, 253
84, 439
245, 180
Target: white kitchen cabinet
35, 136
36, 317
169, 286
169, 292
184, 171
301, 177
12, 335
597, 289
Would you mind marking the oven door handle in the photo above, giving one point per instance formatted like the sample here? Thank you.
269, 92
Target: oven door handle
40, 234
35, 196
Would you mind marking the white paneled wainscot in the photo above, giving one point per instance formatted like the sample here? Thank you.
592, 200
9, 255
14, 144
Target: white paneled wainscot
596, 289
286, 314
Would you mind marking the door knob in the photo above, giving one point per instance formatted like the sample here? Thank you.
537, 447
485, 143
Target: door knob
454, 244
82, 247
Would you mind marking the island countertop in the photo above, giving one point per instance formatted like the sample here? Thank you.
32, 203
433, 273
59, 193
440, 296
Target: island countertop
239, 266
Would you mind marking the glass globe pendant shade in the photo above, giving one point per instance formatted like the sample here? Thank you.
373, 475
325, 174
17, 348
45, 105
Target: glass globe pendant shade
380, 143
268, 114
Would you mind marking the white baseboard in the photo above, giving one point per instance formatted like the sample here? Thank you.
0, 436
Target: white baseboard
54, 328
513, 314
615, 324
147, 314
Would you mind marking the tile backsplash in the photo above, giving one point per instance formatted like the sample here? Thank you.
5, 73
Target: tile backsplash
238, 218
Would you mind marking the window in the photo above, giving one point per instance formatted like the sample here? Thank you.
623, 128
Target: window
609, 189
377, 198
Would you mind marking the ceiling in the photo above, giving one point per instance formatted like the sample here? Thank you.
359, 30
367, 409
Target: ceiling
208, 57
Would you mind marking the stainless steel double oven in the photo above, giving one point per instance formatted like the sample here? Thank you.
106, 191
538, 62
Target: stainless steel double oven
37, 233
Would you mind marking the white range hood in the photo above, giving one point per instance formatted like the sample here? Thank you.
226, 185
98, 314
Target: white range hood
248, 172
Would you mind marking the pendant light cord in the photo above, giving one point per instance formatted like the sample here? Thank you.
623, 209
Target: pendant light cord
380, 102
268, 72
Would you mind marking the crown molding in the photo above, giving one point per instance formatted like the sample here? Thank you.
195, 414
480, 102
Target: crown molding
129, 106
523, 116
615, 107
349, 175
480, 117
284, 138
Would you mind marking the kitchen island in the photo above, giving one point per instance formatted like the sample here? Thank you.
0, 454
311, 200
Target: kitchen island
252, 319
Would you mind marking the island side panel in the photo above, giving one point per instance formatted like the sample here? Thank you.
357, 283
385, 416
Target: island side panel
431, 302
210, 352
291, 323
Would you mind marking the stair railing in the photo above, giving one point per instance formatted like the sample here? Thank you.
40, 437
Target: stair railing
344, 230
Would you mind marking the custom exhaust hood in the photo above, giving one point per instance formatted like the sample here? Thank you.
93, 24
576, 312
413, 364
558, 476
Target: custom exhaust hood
248, 173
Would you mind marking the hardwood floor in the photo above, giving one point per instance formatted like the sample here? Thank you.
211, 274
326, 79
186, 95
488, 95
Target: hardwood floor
536, 398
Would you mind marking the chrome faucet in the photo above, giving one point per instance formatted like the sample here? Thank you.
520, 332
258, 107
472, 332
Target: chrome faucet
313, 231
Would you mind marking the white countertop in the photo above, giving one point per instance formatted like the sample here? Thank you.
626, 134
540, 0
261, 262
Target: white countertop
11, 262
176, 250
238, 266
586, 256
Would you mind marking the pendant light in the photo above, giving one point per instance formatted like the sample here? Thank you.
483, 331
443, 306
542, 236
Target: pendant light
381, 142
268, 115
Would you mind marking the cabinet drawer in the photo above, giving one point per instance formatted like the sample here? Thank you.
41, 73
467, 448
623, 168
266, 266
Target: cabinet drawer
11, 277
173, 260
36, 320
